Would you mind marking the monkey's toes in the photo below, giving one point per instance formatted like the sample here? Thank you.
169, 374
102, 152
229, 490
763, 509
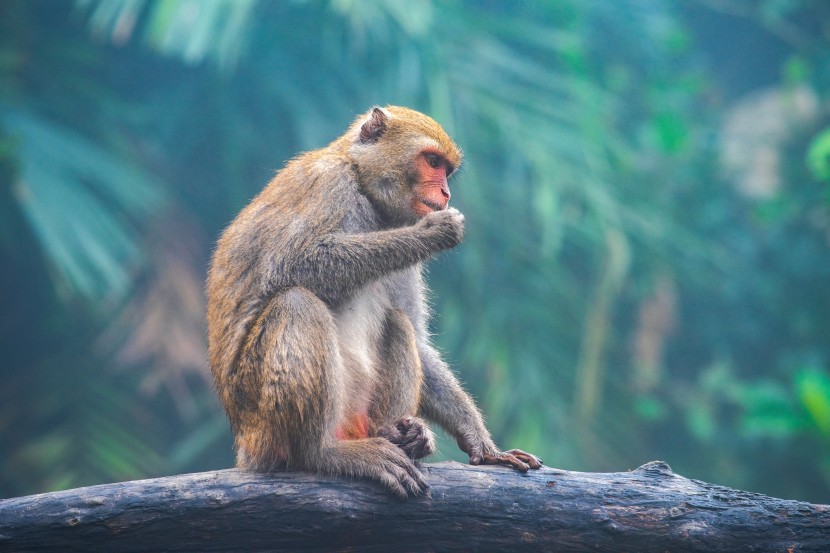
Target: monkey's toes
400, 475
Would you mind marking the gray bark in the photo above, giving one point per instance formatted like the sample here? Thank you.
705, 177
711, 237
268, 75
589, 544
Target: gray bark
468, 509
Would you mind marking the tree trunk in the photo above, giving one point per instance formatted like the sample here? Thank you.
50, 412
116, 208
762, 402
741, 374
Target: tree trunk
468, 509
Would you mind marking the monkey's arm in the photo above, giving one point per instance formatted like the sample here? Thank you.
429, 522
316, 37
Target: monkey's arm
446, 403
337, 264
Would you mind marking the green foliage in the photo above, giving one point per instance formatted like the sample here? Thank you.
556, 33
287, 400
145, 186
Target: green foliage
813, 389
82, 203
818, 156
194, 32
619, 295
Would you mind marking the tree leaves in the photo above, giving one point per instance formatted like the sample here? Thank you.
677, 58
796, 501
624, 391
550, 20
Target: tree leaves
83, 204
580, 121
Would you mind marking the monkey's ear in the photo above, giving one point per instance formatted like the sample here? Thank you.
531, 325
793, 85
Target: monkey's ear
374, 128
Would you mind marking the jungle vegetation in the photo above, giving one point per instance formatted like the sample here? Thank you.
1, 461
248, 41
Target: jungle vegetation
646, 269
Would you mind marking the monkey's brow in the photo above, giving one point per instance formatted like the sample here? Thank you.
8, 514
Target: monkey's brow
440, 154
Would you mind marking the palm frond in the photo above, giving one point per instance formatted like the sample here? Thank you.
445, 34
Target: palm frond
82, 203
193, 30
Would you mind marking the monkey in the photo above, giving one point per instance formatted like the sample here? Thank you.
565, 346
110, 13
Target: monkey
317, 313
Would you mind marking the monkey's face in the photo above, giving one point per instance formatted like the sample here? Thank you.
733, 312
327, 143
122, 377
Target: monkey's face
403, 160
430, 189
412, 183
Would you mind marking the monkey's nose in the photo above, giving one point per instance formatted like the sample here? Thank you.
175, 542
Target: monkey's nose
445, 191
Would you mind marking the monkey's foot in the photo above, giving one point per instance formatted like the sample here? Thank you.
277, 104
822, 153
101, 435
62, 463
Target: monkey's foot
412, 435
374, 458
515, 458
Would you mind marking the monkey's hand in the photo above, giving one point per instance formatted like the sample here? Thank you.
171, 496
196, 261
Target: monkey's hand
445, 228
412, 435
488, 454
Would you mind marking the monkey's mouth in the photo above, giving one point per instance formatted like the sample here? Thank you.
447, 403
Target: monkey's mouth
432, 205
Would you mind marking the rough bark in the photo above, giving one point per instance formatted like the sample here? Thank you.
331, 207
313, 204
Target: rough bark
469, 509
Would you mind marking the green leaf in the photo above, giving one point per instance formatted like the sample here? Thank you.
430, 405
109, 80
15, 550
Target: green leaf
672, 132
818, 156
651, 408
193, 31
813, 386
701, 421
82, 203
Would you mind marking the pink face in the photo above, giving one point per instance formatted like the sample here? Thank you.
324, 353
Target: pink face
432, 193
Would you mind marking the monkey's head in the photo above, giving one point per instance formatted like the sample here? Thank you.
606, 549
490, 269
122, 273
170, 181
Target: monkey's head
403, 160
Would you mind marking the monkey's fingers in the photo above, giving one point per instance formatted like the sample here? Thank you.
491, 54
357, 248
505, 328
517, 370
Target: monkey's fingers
391, 433
411, 435
403, 433
411, 431
405, 424
528, 458
506, 459
420, 447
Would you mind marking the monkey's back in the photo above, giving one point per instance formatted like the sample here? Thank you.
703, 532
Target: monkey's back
254, 255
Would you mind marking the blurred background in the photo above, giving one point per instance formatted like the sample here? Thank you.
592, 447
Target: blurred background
646, 270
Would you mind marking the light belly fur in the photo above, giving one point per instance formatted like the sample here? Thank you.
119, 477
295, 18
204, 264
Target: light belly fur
360, 324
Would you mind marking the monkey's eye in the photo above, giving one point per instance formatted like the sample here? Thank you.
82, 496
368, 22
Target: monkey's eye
434, 160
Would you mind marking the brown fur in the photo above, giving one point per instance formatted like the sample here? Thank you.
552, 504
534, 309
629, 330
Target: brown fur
316, 315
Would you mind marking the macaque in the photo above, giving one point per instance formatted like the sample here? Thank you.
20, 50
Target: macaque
317, 317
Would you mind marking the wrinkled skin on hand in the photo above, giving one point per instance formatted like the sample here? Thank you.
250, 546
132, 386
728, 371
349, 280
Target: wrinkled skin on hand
412, 435
488, 454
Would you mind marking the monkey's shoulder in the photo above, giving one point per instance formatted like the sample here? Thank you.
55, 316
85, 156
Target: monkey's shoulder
319, 172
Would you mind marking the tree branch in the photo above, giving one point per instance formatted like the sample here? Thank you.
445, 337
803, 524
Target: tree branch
469, 509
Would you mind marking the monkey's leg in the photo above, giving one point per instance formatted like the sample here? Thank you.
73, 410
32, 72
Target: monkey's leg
398, 390
291, 366
284, 385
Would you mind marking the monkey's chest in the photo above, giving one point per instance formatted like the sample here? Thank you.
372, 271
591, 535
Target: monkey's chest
360, 324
